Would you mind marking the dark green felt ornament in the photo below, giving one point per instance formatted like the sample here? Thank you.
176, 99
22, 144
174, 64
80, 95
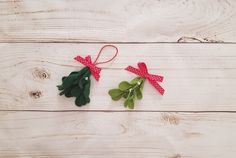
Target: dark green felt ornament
78, 83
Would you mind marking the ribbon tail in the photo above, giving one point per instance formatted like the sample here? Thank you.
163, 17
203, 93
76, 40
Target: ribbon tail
82, 60
95, 74
78, 58
157, 77
143, 67
157, 86
134, 70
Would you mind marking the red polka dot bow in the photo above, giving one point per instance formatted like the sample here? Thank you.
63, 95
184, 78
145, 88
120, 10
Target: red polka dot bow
142, 71
95, 71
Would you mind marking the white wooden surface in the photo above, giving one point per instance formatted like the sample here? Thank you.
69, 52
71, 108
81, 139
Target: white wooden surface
190, 42
197, 77
118, 21
125, 134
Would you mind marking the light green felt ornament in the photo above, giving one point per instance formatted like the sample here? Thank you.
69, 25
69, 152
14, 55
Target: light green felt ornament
130, 91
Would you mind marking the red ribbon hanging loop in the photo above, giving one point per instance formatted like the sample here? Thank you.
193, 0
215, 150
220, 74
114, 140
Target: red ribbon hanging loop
95, 71
143, 72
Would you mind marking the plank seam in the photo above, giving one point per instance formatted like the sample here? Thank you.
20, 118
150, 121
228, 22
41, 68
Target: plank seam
124, 111
112, 42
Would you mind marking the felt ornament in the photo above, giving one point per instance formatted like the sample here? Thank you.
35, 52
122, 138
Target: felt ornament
77, 84
131, 91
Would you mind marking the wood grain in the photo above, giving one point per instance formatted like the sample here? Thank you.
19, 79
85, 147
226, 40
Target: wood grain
197, 77
196, 118
125, 134
118, 21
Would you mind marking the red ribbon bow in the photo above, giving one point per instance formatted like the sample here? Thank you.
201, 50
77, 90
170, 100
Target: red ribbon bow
143, 72
95, 71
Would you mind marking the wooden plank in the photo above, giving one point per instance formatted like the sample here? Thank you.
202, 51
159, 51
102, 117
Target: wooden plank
119, 21
197, 77
125, 134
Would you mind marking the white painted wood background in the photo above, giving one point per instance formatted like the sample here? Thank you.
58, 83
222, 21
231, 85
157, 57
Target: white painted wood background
191, 42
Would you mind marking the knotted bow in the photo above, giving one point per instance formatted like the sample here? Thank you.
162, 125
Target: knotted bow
143, 72
95, 71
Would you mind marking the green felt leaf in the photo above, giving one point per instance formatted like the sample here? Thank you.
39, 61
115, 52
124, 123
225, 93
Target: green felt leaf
131, 95
81, 72
85, 79
60, 87
80, 101
68, 95
138, 93
63, 78
135, 80
82, 82
115, 94
124, 85
87, 100
68, 92
87, 90
84, 70
129, 103
62, 92
76, 91
142, 84
74, 73
69, 80
125, 95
